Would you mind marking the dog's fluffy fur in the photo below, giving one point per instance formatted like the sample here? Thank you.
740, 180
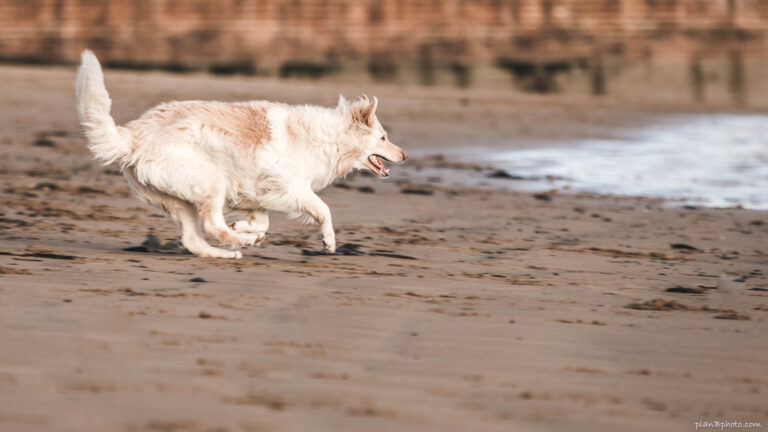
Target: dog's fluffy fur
196, 159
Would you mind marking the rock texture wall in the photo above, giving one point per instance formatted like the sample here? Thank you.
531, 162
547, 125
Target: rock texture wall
314, 37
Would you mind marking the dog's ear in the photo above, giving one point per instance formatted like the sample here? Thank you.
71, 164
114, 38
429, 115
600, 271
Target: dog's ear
342, 102
374, 105
364, 110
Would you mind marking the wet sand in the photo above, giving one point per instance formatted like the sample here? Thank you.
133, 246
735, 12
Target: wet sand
468, 308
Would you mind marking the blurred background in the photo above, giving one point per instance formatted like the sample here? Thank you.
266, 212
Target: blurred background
700, 51
621, 285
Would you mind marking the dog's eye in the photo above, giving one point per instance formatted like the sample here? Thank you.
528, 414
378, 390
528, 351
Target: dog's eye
383, 138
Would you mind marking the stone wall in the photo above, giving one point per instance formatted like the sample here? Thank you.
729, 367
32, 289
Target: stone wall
382, 37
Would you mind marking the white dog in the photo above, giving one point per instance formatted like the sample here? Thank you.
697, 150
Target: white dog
195, 159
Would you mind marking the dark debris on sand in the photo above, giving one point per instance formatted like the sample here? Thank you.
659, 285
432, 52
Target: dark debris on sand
416, 191
49, 255
688, 290
153, 245
659, 304
501, 174
351, 249
732, 316
685, 247
44, 142
17, 222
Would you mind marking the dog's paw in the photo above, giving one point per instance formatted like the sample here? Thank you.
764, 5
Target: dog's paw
234, 254
246, 227
254, 239
235, 240
260, 241
222, 253
242, 227
329, 247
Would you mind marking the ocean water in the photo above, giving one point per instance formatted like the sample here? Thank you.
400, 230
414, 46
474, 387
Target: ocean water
707, 160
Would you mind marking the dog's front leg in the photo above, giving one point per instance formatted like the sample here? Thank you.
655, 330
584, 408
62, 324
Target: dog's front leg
254, 227
312, 205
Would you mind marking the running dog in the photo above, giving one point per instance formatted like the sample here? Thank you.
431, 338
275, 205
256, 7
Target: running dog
196, 159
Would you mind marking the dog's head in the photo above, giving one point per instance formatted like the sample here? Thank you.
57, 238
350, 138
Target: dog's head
372, 146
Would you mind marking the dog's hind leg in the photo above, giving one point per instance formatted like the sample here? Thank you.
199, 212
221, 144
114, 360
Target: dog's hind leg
183, 213
192, 234
212, 215
254, 227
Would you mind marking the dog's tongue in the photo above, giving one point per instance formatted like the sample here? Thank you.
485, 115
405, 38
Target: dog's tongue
383, 171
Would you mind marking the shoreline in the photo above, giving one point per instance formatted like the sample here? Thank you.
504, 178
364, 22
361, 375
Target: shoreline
434, 169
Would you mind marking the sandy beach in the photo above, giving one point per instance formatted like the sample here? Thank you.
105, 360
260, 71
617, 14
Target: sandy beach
457, 308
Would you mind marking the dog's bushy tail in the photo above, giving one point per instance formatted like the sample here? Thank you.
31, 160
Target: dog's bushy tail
107, 142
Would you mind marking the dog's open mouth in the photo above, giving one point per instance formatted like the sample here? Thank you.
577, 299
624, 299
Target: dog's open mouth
376, 165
